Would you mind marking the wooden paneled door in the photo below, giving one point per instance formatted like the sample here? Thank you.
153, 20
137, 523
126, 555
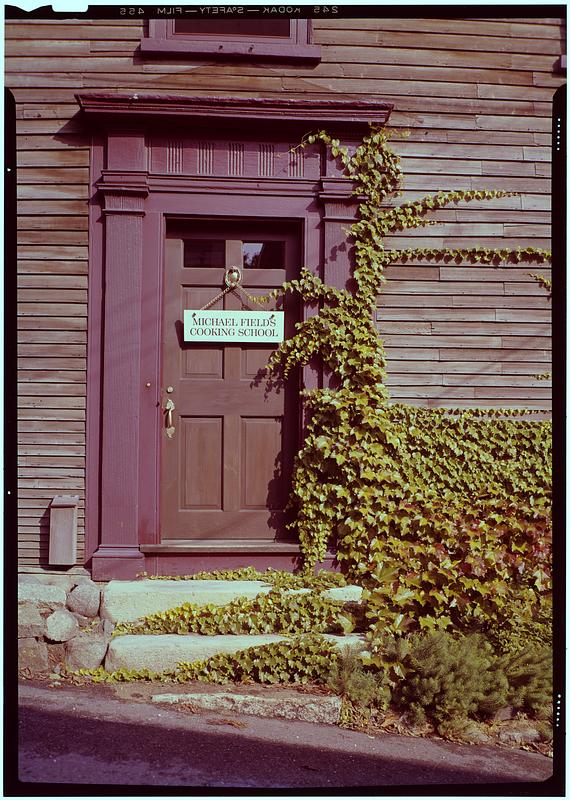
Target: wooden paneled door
226, 469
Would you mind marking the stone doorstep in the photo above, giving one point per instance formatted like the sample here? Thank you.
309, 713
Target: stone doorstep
165, 651
127, 601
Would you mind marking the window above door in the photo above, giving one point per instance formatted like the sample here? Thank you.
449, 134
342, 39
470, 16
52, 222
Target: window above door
257, 39
259, 254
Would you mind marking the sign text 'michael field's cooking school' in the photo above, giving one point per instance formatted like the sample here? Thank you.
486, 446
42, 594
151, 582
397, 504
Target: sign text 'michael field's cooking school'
234, 326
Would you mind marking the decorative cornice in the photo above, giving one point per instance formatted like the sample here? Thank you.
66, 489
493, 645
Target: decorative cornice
115, 109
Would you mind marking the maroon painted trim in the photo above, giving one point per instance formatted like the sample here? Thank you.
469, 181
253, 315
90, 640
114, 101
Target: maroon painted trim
234, 546
140, 107
242, 51
133, 206
151, 396
117, 563
169, 564
300, 32
162, 40
94, 343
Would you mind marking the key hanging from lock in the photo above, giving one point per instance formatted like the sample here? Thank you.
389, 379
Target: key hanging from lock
169, 408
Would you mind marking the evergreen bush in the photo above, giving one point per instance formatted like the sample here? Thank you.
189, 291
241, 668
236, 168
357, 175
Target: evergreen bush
360, 687
439, 677
529, 676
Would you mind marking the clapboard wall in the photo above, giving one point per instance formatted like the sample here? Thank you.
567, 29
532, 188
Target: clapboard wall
475, 96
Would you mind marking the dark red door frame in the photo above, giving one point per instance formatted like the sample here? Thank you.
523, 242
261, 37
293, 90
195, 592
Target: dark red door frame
140, 179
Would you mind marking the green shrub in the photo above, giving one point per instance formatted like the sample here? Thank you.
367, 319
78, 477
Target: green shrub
360, 687
529, 676
439, 677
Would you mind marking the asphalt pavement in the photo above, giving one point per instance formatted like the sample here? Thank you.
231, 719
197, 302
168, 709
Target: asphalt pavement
86, 737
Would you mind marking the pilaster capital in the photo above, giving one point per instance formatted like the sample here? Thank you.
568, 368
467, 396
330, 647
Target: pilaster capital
123, 193
340, 204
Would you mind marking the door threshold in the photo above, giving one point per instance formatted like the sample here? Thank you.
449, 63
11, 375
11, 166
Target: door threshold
221, 546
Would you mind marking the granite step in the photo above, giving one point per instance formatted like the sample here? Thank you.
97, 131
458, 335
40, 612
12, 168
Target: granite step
164, 651
127, 601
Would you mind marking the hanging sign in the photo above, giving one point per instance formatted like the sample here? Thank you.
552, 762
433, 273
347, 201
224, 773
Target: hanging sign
255, 327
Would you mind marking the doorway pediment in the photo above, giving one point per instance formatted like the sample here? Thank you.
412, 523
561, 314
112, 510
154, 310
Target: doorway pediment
115, 110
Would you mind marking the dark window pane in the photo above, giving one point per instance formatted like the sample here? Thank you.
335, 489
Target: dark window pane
234, 27
264, 255
204, 253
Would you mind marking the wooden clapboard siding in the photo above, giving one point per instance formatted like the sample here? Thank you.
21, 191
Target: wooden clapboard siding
474, 96
451, 335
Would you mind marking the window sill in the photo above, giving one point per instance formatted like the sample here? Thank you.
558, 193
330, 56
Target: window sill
238, 50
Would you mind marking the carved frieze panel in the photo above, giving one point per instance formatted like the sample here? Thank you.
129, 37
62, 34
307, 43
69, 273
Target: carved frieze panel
174, 156
222, 158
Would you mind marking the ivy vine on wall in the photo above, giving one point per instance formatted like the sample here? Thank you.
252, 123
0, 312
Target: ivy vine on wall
443, 513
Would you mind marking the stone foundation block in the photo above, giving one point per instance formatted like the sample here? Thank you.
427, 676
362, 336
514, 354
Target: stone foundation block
43, 595
85, 599
82, 621
61, 626
32, 655
64, 580
86, 651
30, 622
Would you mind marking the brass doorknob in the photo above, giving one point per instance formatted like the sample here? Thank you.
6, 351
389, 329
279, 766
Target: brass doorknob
169, 408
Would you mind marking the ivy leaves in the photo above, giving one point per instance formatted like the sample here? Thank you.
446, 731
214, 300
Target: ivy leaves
299, 660
291, 611
443, 514
478, 255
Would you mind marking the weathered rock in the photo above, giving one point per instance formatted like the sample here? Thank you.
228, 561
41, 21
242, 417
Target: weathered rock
61, 626
32, 655
82, 621
519, 732
503, 714
65, 580
325, 710
85, 599
30, 622
473, 733
43, 595
86, 651
108, 628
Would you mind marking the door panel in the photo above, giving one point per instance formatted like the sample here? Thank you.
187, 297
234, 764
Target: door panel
200, 362
200, 475
261, 457
225, 473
